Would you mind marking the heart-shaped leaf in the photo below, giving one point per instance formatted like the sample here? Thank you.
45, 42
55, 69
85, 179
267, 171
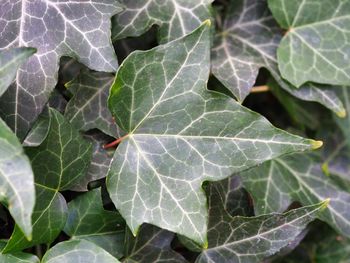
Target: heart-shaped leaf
179, 135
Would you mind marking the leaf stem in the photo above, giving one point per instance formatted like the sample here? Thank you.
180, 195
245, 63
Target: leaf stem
258, 89
115, 143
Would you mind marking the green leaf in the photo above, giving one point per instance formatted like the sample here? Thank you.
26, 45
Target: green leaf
88, 220
10, 61
18, 257
58, 163
299, 177
79, 29
316, 45
88, 108
175, 18
334, 248
77, 251
179, 135
344, 123
39, 130
16, 180
248, 41
151, 245
252, 239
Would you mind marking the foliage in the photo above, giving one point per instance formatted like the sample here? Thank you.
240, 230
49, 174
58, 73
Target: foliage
174, 131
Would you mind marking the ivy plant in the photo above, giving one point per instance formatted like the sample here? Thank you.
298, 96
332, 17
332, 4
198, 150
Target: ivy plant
174, 131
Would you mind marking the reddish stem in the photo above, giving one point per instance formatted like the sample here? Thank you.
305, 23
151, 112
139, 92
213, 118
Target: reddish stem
114, 143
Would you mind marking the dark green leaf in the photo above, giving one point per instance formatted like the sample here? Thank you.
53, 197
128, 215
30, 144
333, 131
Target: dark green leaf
18, 257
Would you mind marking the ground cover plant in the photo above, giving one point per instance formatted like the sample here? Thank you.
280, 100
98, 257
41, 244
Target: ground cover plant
174, 131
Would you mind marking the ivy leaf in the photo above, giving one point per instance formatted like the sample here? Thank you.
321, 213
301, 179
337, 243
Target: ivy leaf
58, 163
333, 249
247, 42
78, 251
10, 61
39, 130
88, 220
175, 18
70, 28
18, 257
344, 123
316, 46
179, 135
151, 245
277, 183
251, 239
88, 108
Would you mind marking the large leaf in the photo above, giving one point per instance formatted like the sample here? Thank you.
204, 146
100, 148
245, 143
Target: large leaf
77, 251
175, 18
316, 46
18, 257
88, 220
151, 245
10, 60
58, 163
277, 183
251, 239
247, 42
56, 28
88, 108
179, 135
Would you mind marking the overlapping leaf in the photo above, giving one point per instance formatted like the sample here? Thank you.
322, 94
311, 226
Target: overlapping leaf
151, 245
88, 108
88, 220
80, 29
277, 183
78, 251
179, 135
58, 163
10, 61
317, 45
247, 42
175, 18
18, 257
251, 239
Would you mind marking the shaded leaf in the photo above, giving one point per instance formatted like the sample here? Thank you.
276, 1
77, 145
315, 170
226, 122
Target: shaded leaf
344, 123
58, 163
277, 183
334, 248
88, 220
10, 61
88, 108
18, 257
70, 28
78, 251
175, 18
39, 131
179, 135
151, 245
247, 42
317, 45
16, 180
251, 239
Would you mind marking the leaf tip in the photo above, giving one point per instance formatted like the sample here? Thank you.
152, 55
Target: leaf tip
316, 144
207, 23
325, 169
341, 113
205, 245
325, 203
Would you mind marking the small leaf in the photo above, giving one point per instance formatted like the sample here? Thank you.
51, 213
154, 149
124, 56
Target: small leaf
88, 220
88, 108
18, 257
58, 163
175, 18
316, 45
151, 245
252, 239
179, 135
10, 61
247, 42
277, 183
79, 29
77, 251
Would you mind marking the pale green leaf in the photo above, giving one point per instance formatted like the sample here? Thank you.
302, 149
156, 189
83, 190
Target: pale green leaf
10, 61
77, 251
248, 41
88, 220
175, 18
317, 45
79, 29
252, 239
277, 183
58, 163
179, 135
18, 257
